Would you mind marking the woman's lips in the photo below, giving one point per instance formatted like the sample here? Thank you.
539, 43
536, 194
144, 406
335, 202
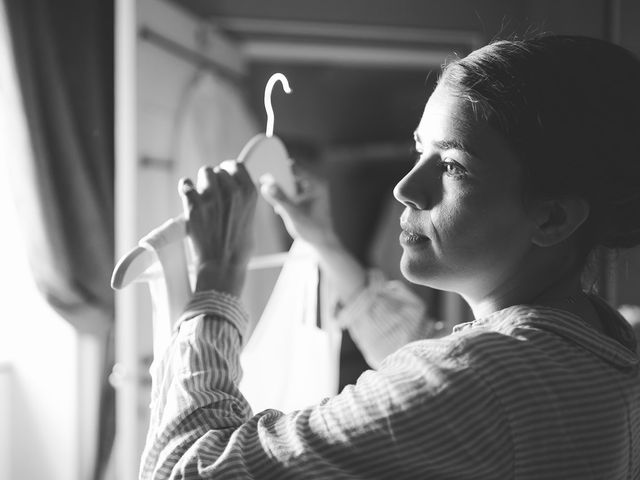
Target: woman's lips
411, 238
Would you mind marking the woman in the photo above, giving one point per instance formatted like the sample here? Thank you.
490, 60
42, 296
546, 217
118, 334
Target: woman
528, 160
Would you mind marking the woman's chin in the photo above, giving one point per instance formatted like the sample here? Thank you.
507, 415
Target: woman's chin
420, 271
416, 271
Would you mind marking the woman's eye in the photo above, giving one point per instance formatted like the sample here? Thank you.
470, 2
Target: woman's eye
453, 169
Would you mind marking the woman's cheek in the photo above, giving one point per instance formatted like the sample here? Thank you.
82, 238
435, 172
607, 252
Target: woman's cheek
448, 216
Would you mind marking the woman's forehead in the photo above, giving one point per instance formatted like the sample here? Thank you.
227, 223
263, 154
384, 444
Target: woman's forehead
446, 115
450, 119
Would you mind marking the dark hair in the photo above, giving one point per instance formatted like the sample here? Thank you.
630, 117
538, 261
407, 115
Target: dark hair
570, 109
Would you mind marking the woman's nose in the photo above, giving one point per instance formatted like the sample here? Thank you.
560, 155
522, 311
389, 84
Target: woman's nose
413, 189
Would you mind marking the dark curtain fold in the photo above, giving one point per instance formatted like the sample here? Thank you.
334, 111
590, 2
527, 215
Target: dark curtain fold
64, 57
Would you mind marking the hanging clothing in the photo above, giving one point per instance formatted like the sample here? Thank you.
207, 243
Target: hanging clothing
290, 361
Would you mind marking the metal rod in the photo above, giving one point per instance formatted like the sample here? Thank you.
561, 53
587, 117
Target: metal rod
262, 262
191, 56
155, 162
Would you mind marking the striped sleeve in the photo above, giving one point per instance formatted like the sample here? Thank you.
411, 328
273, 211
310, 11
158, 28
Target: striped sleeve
424, 414
385, 316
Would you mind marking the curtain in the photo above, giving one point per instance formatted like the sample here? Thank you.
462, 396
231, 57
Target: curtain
64, 59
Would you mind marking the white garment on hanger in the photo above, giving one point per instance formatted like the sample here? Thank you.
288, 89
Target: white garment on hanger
289, 363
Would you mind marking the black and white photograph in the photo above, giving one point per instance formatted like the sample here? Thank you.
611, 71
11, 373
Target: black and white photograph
304, 239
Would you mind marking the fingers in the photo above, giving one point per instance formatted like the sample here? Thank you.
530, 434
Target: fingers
243, 178
283, 206
230, 166
228, 175
272, 193
206, 179
225, 189
215, 183
188, 194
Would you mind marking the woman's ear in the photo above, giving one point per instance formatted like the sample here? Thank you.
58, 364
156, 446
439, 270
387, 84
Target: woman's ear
557, 219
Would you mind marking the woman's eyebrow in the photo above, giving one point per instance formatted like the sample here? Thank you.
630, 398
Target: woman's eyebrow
453, 145
447, 145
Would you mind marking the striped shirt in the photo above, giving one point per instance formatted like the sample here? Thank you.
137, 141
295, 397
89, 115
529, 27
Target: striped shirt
526, 393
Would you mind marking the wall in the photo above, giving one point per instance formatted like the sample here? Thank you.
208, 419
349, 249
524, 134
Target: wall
627, 278
629, 19
578, 17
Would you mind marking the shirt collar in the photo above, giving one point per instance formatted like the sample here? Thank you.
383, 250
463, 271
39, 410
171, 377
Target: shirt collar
618, 347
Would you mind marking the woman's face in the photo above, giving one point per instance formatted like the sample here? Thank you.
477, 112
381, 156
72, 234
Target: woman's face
465, 225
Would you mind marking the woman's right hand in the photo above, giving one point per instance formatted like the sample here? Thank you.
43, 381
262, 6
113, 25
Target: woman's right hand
219, 213
307, 215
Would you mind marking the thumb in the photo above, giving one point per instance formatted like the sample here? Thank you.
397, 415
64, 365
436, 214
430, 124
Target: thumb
274, 195
283, 206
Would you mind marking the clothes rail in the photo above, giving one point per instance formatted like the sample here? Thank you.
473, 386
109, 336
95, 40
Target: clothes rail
178, 50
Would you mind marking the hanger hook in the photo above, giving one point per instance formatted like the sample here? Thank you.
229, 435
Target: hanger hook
267, 98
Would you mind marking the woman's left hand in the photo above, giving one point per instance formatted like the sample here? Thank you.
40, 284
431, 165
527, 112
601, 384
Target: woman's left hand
219, 215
